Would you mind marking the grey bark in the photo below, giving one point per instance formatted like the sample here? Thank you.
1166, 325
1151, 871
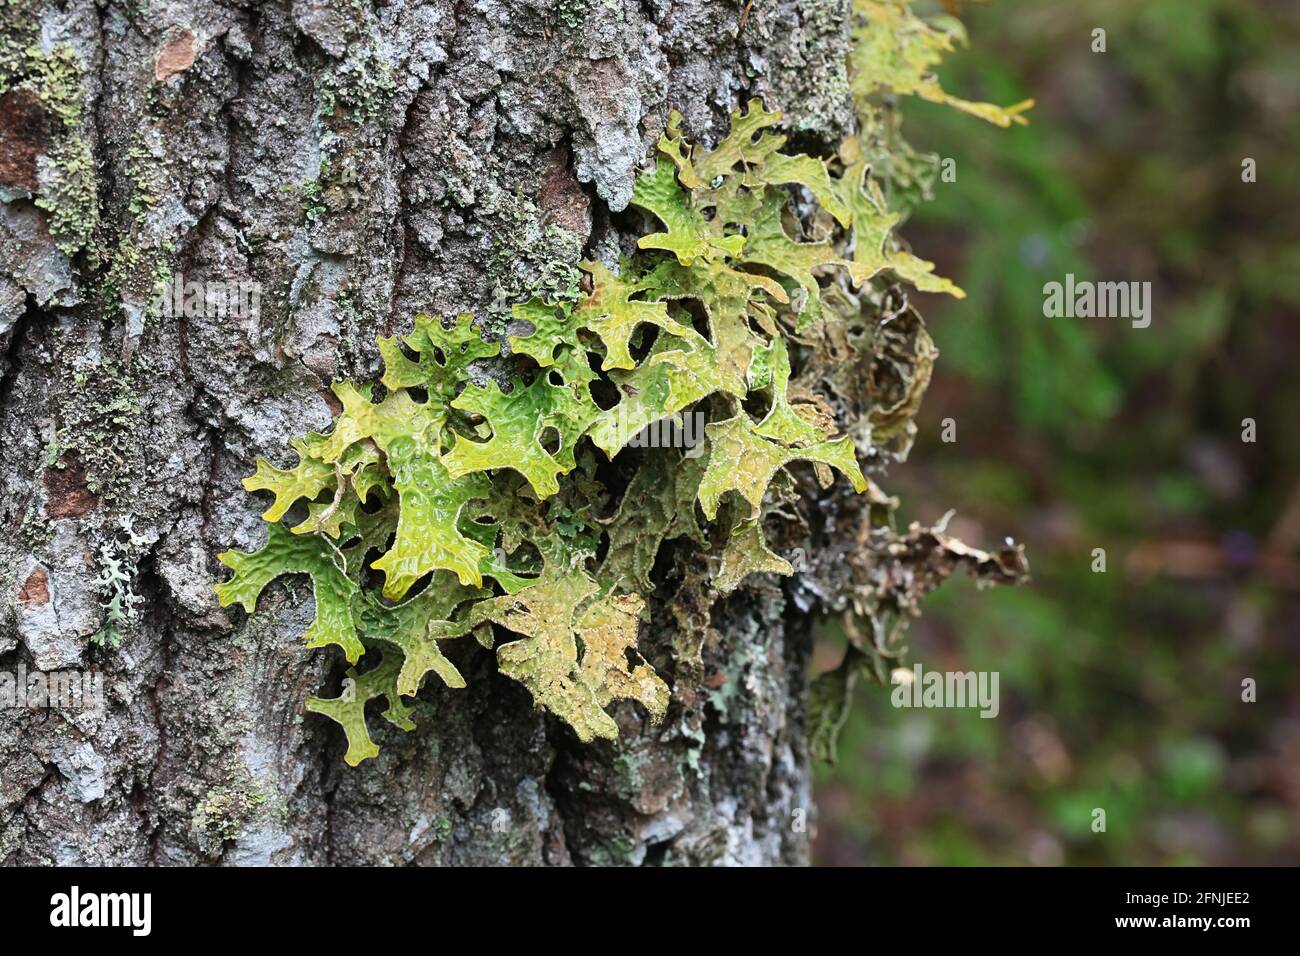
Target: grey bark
476, 152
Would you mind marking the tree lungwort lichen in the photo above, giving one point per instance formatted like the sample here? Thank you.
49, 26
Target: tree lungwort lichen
462, 496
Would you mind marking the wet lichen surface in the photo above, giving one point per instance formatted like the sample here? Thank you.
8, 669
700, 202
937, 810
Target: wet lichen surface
558, 233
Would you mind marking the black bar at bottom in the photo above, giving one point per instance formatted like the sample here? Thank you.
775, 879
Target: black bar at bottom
406, 906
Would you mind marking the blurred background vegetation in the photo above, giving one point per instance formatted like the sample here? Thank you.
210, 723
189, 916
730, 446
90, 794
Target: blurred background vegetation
1119, 690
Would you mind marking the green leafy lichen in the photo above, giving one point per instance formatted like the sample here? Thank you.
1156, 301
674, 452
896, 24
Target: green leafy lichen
461, 498
894, 50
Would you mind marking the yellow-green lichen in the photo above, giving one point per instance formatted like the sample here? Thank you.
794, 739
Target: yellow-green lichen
68, 185
228, 809
465, 498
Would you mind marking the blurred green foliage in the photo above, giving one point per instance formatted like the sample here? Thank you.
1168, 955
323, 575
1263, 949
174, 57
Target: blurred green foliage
1120, 690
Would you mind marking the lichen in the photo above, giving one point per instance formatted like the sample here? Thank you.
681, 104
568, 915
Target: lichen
895, 51
69, 188
225, 811
351, 98
358, 88
101, 418
531, 257
465, 494
117, 569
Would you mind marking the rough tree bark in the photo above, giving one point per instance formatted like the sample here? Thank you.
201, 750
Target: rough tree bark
361, 161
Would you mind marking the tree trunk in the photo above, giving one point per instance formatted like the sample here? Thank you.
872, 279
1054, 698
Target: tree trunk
360, 162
